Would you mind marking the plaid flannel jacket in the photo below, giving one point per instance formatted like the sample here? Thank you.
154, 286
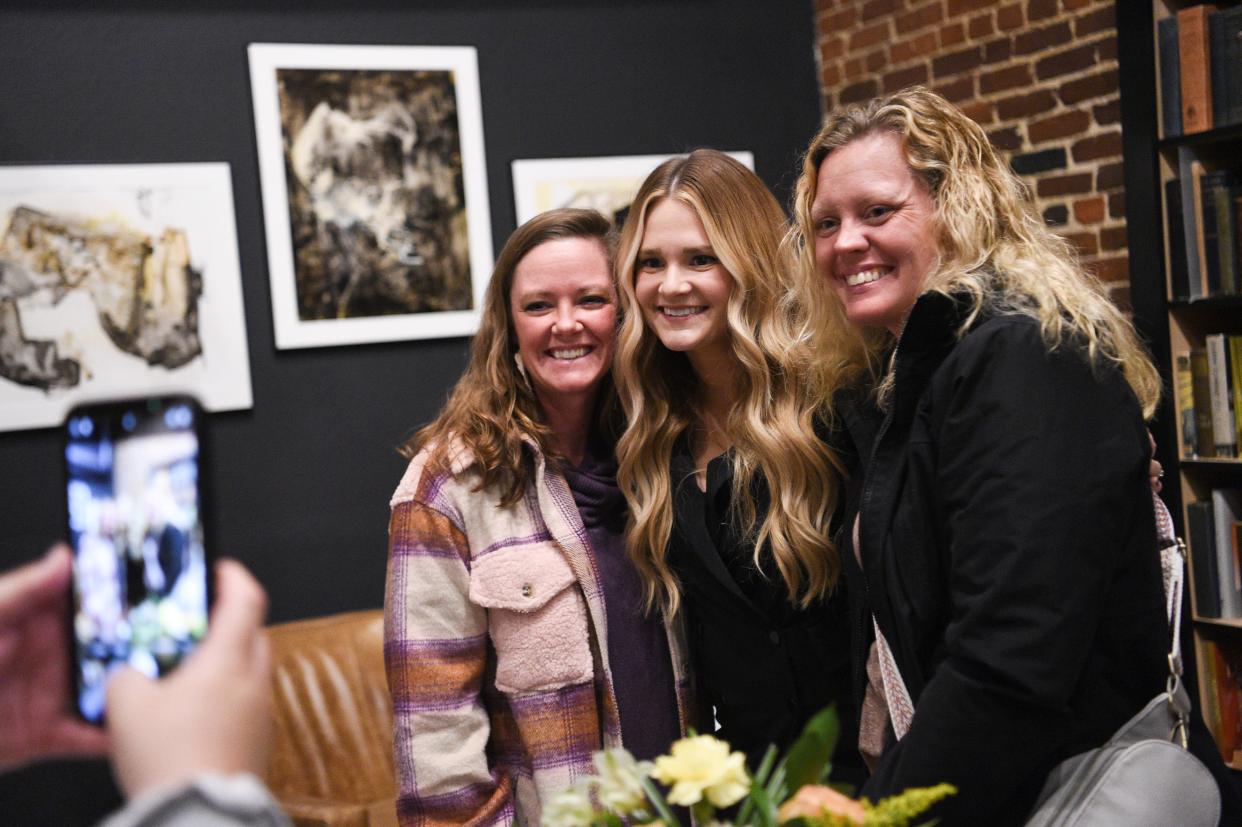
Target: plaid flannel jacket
496, 647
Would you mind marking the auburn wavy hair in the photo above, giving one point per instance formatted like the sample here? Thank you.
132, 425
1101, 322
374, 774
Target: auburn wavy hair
493, 410
993, 245
772, 423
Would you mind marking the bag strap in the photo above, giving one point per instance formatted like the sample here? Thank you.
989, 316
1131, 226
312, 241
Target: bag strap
1173, 574
896, 695
1173, 571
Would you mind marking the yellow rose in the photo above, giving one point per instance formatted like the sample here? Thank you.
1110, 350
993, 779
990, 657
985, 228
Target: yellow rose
703, 766
815, 801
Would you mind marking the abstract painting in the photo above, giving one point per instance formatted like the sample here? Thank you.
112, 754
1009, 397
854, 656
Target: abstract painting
374, 191
118, 280
605, 184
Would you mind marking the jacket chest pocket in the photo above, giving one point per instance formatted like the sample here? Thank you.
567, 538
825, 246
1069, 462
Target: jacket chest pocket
537, 618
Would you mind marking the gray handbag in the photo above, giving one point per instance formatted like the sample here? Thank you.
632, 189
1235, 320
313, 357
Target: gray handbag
1144, 774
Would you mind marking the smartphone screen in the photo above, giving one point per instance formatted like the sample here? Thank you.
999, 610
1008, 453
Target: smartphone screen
135, 524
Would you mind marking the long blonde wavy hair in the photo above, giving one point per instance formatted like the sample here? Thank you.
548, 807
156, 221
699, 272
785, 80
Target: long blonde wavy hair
771, 425
493, 409
993, 246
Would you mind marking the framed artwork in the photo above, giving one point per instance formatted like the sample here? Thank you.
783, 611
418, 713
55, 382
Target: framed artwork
374, 191
118, 280
606, 184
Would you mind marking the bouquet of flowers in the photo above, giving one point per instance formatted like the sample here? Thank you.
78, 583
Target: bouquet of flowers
704, 774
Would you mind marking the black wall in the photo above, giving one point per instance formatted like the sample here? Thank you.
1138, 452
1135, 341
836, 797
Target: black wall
301, 481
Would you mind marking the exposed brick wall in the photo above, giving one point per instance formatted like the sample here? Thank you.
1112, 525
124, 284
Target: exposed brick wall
1039, 75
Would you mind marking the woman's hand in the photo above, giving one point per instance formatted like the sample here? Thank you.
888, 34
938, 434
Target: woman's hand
35, 717
213, 714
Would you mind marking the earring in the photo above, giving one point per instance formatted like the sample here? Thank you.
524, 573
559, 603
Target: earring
521, 368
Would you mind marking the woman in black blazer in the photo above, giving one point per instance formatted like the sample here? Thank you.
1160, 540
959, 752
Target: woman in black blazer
711, 367
1000, 522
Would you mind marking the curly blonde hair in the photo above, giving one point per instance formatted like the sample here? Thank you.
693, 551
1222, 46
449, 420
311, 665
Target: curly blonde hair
493, 410
772, 422
993, 246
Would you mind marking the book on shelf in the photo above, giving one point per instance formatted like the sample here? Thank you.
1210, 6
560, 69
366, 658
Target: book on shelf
1208, 395
1227, 510
1209, 668
1215, 554
1179, 274
1221, 662
1203, 562
1170, 78
1237, 230
1224, 431
1202, 211
1234, 346
1217, 190
1198, 239
1194, 68
1190, 226
1199, 58
1202, 400
1225, 57
1224, 200
1209, 251
1183, 396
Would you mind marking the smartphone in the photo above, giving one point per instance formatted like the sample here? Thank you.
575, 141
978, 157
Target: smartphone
141, 584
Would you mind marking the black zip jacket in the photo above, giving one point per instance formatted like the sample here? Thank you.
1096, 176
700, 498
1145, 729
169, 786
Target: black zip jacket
764, 665
1008, 554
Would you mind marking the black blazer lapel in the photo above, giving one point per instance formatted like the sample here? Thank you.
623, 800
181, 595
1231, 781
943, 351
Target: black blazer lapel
688, 500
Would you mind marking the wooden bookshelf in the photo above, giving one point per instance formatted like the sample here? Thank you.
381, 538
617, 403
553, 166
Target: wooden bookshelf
1172, 326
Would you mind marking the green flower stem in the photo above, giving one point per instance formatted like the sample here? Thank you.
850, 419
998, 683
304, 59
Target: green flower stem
776, 791
765, 764
657, 801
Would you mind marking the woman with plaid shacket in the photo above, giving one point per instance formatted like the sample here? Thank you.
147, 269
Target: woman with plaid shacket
515, 637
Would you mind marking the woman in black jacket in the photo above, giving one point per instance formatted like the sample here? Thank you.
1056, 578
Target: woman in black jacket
999, 529
730, 489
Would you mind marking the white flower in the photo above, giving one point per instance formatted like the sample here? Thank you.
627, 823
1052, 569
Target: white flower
700, 767
619, 783
571, 808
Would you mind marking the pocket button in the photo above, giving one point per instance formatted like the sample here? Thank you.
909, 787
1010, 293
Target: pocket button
526, 590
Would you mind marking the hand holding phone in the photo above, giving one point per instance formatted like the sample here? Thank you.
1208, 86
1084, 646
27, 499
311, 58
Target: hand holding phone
34, 657
135, 524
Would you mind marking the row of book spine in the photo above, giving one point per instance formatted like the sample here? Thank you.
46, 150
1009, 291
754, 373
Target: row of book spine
1221, 671
1214, 525
1200, 69
1204, 221
1208, 392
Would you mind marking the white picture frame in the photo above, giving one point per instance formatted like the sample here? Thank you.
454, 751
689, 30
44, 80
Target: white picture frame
444, 253
607, 183
95, 305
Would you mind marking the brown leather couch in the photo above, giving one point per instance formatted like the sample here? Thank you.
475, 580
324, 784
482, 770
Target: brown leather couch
331, 763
